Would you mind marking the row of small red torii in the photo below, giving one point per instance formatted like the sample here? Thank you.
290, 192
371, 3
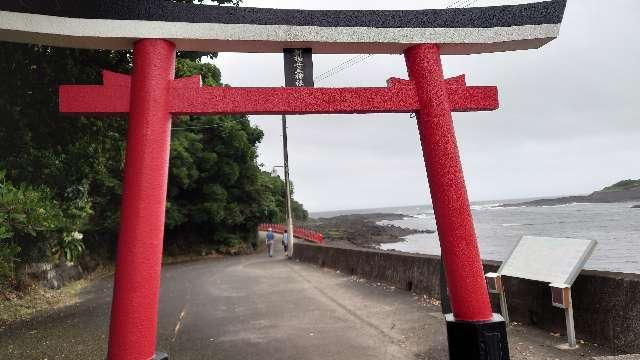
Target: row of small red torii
151, 97
300, 233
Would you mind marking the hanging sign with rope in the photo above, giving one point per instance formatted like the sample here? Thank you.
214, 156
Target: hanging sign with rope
298, 67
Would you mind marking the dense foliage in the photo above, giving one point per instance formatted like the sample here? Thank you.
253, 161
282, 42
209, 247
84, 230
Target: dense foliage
216, 188
62, 176
29, 217
623, 185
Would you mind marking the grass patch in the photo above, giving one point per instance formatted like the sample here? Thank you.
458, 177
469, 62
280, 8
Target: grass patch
19, 305
16, 305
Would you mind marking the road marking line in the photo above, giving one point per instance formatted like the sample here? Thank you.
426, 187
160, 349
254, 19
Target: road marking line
179, 324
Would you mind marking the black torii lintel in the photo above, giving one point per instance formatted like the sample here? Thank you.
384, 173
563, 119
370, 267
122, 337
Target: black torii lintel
116, 24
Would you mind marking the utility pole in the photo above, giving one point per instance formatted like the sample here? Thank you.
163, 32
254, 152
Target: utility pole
298, 72
287, 184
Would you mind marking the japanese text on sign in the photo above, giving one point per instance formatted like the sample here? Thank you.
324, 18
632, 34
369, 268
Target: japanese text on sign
298, 67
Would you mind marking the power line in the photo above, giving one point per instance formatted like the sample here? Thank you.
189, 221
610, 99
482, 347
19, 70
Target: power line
454, 3
346, 65
462, 3
342, 67
342, 64
469, 3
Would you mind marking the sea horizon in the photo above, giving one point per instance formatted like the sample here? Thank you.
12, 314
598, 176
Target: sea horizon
615, 226
366, 210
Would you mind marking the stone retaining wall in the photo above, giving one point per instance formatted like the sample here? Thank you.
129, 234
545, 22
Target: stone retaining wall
53, 276
606, 305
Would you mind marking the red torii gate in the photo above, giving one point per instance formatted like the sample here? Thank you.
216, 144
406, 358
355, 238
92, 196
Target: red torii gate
151, 96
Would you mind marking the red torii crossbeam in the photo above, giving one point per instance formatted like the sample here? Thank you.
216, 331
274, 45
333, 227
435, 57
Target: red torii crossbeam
151, 96
188, 97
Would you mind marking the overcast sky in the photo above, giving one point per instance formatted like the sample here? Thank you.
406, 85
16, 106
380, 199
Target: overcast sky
567, 122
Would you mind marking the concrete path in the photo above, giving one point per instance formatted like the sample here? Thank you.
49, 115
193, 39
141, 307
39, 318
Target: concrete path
256, 307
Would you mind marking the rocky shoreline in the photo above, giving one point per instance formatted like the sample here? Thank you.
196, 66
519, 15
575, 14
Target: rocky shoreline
361, 230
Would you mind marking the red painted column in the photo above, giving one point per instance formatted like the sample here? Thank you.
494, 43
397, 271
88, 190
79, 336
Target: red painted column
467, 288
134, 311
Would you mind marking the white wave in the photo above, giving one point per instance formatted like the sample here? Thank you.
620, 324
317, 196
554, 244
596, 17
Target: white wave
562, 205
422, 216
485, 206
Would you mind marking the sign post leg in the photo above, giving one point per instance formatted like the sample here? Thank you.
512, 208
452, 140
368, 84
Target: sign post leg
504, 308
474, 332
134, 311
571, 330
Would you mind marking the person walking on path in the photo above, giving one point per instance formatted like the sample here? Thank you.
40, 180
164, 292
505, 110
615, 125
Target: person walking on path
285, 242
270, 238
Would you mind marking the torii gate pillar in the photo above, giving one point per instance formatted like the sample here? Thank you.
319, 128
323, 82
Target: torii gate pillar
134, 311
463, 267
474, 332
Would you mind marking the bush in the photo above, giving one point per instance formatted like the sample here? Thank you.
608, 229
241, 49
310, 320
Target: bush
8, 257
29, 221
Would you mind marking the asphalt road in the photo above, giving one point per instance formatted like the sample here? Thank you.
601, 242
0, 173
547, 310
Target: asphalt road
256, 307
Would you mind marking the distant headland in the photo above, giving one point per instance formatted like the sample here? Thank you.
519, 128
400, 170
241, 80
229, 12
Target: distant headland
622, 191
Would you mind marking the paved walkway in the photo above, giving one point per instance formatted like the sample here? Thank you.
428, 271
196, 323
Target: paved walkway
255, 307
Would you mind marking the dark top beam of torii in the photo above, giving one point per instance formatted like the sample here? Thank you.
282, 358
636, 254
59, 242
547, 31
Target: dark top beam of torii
155, 29
116, 24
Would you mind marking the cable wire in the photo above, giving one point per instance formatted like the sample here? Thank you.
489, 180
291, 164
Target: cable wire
462, 3
349, 63
344, 66
454, 3
469, 3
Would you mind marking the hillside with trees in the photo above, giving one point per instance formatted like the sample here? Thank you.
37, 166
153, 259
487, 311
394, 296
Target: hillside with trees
622, 191
61, 176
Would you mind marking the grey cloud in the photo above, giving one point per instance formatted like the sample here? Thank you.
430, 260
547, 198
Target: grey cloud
568, 121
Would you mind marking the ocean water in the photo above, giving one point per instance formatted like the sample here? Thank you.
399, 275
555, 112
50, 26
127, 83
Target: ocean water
615, 226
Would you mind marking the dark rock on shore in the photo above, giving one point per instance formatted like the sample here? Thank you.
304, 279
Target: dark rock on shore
361, 229
623, 191
636, 206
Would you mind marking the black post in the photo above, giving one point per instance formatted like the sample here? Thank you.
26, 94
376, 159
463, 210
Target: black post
477, 340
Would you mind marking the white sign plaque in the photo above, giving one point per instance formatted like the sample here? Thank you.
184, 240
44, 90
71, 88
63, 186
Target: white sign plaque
547, 259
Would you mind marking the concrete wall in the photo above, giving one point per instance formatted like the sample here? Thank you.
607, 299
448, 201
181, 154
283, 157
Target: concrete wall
606, 305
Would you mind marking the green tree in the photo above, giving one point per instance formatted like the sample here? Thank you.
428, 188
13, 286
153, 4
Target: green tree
217, 193
79, 159
216, 196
